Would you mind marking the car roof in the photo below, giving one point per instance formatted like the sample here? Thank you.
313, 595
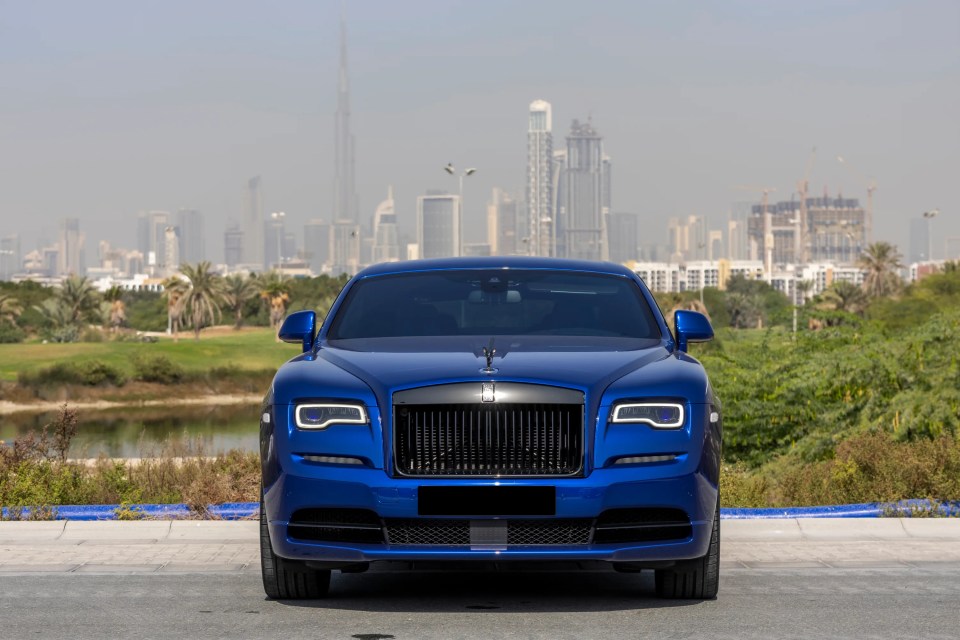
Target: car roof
495, 262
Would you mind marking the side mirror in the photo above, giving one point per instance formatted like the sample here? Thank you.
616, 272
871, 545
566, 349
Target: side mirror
691, 327
299, 327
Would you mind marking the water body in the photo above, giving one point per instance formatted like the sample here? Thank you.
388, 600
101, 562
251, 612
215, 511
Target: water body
141, 432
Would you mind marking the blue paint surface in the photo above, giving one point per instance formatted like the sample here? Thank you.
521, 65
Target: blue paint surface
248, 510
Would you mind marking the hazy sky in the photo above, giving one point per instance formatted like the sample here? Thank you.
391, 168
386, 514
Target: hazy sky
110, 108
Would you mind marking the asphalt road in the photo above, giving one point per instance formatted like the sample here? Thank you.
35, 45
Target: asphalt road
919, 602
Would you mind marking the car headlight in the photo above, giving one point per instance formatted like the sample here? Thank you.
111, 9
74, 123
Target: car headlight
321, 416
659, 415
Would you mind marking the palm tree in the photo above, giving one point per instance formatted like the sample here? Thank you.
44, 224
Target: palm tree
275, 291
881, 262
117, 309
843, 296
10, 308
80, 298
174, 289
203, 296
238, 290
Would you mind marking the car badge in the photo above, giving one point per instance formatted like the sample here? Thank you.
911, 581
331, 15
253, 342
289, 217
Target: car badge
487, 392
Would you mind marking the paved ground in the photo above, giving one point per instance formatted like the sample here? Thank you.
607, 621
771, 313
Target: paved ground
193, 546
787, 579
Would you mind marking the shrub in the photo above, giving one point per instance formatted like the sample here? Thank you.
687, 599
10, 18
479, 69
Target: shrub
157, 368
91, 373
11, 333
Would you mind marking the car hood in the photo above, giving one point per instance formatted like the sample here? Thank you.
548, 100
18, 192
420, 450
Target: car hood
394, 365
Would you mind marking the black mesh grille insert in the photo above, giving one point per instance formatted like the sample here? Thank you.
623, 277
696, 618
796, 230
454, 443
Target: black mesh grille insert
519, 532
429, 532
336, 525
488, 439
642, 525
548, 532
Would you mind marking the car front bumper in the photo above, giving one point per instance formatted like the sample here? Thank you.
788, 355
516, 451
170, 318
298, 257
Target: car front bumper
587, 497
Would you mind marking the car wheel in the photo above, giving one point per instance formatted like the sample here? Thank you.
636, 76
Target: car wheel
697, 579
288, 579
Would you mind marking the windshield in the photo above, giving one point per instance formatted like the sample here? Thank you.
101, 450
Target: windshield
494, 302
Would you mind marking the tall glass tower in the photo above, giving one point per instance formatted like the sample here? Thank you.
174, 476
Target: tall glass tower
540, 180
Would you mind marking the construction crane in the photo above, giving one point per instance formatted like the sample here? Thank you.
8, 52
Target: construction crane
767, 231
871, 187
801, 242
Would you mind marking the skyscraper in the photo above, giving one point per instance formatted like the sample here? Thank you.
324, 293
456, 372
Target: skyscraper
345, 247
274, 231
171, 252
10, 260
438, 225
192, 239
582, 230
316, 244
502, 224
233, 245
624, 235
345, 230
253, 223
540, 178
386, 245
70, 250
151, 226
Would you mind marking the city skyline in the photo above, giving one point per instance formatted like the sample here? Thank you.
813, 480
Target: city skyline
681, 137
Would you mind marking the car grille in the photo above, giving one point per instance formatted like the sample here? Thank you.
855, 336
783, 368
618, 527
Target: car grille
488, 440
567, 531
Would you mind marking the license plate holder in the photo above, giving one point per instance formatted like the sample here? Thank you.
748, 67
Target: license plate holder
487, 501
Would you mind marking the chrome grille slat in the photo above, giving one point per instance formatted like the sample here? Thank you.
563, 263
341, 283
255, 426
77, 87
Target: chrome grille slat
488, 439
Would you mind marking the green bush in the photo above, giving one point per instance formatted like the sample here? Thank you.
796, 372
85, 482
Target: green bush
91, 373
157, 368
11, 333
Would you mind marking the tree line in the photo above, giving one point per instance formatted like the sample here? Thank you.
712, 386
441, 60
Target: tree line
198, 297
195, 298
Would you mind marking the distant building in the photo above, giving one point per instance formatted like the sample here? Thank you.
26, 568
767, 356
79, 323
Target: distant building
171, 255
540, 194
582, 228
191, 236
345, 248
687, 238
274, 231
316, 244
10, 259
438, 225
233, 246
253, 220
624, 234
151, 230
834, 231
70, 248
386, 242
502, 224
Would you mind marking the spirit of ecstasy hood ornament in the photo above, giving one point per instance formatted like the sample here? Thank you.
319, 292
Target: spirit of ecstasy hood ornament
488, 353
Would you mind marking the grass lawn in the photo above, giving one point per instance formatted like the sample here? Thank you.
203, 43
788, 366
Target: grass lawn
252, 349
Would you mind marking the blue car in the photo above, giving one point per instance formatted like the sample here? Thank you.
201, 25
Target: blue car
491, 409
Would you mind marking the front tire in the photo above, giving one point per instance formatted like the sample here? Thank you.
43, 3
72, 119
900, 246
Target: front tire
697, 579
288, 579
